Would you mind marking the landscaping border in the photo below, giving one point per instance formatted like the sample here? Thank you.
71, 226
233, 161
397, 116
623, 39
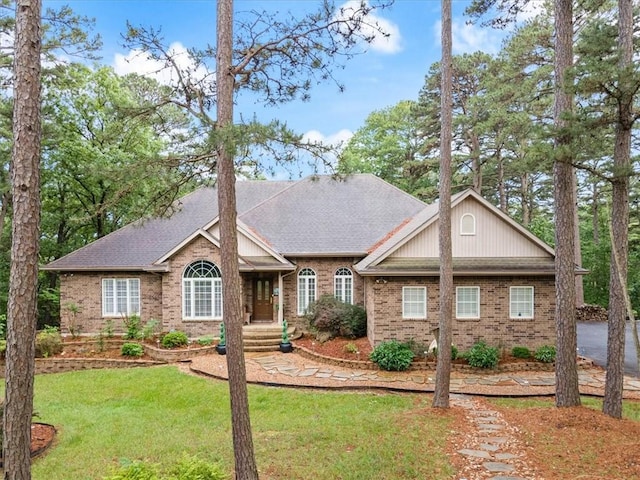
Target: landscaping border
531, 366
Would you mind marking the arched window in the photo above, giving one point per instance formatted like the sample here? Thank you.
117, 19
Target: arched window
343, 285
306, 289
202, 291
468, 224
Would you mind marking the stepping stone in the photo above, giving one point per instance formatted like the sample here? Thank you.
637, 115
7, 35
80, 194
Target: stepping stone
498, 467
474, 453
323, 375
494, 440
309, 372
344, 375
489, 426
489, 447
502, 477
505, 456
521, 381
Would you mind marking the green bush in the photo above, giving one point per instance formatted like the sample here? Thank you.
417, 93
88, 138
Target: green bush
392, 356
48, 342
174, 339
188, 468
205, 341
521, 352
193, 468
481, 355
149, 330
546, 354
328, 317
3, 348
135, 471
132, 327
132, 350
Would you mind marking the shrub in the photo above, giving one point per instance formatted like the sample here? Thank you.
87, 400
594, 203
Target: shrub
135, 471
132, 327
328, 317
546, 354
350, 348
48, 342
521, 352
174, 339
150, 329
132, 349
193, 468
205, 341
188, 468
481, 355
3, 348
392, 356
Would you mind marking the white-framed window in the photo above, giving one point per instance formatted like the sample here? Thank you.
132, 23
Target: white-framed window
414, 302
467, 224
306, 289
202, 291
521, 302
120, 296
343, 285
467, 302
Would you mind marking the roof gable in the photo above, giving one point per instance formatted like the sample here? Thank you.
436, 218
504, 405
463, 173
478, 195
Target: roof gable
496, 235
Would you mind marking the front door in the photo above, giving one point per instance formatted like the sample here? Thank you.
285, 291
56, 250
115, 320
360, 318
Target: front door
263, 299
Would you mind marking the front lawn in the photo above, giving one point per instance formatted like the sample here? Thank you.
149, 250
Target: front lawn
160, 413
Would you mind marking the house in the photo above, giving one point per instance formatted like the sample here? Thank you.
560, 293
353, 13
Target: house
358, 238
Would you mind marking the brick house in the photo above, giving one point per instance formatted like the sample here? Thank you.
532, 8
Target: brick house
358, 238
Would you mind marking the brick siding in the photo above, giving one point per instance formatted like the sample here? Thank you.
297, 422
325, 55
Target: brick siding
384, 308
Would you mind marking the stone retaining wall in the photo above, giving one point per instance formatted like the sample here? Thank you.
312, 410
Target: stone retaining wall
59, 365
428, 365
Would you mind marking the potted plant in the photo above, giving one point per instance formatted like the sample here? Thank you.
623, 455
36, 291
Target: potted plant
221, 347
285, 344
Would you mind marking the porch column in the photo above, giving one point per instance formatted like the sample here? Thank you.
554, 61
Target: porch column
280, 299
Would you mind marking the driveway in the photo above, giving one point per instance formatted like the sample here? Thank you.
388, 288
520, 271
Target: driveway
592, 343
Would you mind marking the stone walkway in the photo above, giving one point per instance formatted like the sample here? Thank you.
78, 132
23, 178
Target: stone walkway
291, 369
488, 450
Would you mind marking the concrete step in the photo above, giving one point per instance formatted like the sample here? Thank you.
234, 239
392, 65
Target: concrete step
265, 338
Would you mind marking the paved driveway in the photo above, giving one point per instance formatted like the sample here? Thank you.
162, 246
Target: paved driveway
592, 343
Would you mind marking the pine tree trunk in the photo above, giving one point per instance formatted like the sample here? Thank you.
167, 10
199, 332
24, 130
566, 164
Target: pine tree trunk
443, 369
578, 247
567, 391
612, 405
22, 306
245, 464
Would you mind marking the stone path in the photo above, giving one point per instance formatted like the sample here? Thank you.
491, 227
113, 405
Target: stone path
489, 449
294, 370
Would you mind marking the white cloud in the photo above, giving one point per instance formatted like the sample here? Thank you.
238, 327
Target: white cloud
336, 139
381, 44
140, 62
469, 38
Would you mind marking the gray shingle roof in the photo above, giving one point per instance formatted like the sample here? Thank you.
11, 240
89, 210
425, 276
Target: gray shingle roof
314, 216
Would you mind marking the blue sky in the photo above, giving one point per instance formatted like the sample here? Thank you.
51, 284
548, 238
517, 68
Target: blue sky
377, 79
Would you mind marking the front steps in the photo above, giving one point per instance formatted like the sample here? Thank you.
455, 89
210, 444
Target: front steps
266, 337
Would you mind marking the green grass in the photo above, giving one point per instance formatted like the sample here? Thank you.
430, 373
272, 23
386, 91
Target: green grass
630, 408
158, 414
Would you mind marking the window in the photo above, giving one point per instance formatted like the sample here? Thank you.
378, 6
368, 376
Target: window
120, 296
414, 302
343, 285
306, 289
467, 224
467, 302
202, 291
521, 302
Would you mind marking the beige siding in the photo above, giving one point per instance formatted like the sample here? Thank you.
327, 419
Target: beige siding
494, 237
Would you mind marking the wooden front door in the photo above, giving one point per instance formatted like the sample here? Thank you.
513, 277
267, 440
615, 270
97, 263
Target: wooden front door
263, 299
